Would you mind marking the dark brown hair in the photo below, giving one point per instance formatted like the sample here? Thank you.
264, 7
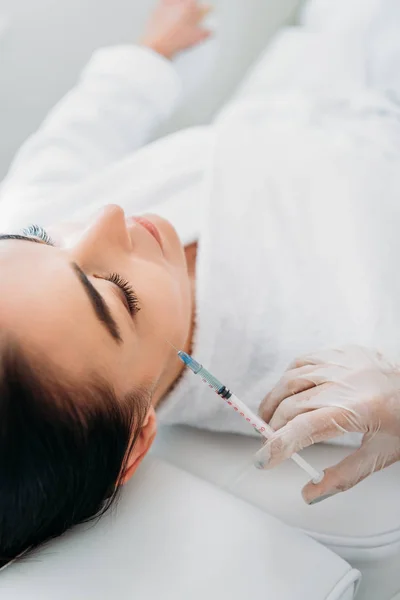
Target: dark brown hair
62, 451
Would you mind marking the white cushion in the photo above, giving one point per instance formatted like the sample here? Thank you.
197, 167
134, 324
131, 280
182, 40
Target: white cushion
362, 525
176, 537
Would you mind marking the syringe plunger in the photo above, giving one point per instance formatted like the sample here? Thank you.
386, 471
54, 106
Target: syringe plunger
239, 406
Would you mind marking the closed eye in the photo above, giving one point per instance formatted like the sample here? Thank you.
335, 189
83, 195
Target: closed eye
99, 305
130, 298
36, 231
33, 233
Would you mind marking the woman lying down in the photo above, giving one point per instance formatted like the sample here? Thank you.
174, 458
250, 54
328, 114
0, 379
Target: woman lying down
267, 235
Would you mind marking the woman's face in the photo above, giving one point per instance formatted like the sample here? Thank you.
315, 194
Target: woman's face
76, 302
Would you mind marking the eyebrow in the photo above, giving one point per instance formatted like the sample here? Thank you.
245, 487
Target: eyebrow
100, 307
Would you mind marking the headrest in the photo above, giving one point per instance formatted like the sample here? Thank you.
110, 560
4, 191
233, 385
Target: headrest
173, 536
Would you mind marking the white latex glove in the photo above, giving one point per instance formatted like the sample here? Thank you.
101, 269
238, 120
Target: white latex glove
328, 394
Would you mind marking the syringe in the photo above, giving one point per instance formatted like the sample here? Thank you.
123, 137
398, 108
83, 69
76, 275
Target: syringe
243, 410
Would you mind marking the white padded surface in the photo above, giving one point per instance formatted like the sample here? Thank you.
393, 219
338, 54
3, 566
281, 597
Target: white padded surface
366, 517
176, 537
362, 525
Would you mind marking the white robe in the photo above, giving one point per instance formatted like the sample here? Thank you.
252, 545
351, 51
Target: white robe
293, 195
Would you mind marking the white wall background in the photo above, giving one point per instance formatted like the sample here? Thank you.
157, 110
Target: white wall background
46, 43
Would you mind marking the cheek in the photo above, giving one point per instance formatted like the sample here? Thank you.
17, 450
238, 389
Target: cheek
167, 306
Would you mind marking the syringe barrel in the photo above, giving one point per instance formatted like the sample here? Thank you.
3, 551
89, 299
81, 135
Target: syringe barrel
212, 381
242, 409
205, 375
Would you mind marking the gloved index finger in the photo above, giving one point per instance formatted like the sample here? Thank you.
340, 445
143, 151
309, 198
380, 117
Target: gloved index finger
293, 382
315, 358
350, 356
304, 430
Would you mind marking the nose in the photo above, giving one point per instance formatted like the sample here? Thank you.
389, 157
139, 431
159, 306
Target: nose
105, 235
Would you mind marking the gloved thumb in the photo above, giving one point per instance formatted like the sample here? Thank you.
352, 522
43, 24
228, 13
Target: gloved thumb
343, 476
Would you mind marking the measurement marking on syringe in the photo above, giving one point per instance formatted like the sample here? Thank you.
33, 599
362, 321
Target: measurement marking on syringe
243, 415
244, 410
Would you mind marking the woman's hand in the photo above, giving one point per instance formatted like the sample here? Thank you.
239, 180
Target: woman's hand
325, 395
174, 26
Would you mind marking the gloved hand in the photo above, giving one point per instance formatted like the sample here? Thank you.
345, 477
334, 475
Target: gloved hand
325, 395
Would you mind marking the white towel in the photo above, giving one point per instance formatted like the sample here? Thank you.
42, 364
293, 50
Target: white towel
300, 245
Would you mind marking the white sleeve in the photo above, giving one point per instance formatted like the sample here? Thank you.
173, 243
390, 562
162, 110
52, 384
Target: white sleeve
122, 95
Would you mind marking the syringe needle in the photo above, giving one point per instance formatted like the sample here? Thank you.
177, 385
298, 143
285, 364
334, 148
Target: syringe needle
174, 347
243, 410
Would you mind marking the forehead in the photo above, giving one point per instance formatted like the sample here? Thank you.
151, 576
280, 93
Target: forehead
33, 274
42, 304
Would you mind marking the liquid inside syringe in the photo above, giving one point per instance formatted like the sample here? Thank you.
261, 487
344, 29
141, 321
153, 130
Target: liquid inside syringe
243, 410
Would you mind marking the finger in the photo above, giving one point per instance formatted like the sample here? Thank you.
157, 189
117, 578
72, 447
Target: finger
343, 476
204, 10
301, 361
292, 382
325, 356
314, 358
303, 431
324, 394
350, 356
200, 35
296, 405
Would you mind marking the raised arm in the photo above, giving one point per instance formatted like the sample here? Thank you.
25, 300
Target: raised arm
122, 95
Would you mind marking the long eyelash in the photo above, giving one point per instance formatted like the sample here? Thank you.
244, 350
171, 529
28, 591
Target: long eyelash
37, 231
126, 287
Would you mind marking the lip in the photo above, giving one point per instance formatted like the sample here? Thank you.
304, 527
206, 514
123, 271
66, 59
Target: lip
151, 228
